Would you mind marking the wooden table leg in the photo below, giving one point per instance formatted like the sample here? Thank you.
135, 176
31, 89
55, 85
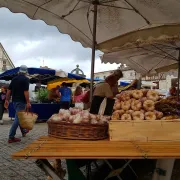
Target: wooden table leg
47, 168
163, 169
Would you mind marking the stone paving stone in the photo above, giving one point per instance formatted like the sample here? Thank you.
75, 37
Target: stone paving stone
11, 169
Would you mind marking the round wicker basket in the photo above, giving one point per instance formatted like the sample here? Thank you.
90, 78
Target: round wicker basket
65, 130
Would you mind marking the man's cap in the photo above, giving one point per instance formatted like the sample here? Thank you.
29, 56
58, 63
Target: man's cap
23, 69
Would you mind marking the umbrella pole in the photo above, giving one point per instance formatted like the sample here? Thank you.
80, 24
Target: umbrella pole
93, 48
178, 73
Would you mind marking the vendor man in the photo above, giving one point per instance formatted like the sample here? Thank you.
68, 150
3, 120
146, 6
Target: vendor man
107, 88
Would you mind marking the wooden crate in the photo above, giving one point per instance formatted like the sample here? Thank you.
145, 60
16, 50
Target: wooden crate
156, 130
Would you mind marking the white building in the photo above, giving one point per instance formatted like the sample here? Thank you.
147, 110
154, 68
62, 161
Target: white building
5, 61
164, 80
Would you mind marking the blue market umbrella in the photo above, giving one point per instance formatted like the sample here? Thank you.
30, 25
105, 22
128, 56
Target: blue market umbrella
39, 75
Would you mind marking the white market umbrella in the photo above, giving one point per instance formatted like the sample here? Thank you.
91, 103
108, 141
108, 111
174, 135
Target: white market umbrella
94, 22
148, 54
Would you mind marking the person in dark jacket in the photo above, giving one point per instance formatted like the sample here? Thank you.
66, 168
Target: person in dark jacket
19, 89
2, 101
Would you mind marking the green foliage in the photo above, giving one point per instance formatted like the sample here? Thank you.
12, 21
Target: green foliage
42, 95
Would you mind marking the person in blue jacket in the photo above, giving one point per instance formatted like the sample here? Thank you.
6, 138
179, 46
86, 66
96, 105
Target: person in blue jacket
65, 95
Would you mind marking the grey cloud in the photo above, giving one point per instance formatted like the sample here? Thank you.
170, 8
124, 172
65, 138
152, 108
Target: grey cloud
58, 50
17, 28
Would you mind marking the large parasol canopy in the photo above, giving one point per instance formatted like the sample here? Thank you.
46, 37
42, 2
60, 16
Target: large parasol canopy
40, 75
146, 53
94, 23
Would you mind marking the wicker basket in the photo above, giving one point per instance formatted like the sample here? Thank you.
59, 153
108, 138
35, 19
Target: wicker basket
65, 130
27, 119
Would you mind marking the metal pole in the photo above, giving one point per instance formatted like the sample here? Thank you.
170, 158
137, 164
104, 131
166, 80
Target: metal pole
178, 74
93, 48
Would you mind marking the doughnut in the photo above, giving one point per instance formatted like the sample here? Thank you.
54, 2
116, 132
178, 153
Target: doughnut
143, 99
159, 114
150, 116
115, 116
117, 106
144, 91
142, 110
137, 94
125, 96
148, 105
138, 115
130, 92
129, 112
125, 105
136, 105
120, 112
153, 95
118, 96
126, 117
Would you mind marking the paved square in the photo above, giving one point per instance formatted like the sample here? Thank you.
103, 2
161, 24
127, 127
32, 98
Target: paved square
19, 169
11, 169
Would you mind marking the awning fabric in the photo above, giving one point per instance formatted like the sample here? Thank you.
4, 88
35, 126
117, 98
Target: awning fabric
115, 18
57, 82
147, 54
39, 75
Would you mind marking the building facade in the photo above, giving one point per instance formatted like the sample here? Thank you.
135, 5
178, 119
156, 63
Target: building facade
128, 74
5, 61
163, 80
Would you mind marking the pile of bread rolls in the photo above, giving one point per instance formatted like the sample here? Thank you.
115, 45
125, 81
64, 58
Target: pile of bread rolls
78, 116
136, 105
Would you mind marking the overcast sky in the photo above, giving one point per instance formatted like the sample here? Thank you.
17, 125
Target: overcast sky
30, 42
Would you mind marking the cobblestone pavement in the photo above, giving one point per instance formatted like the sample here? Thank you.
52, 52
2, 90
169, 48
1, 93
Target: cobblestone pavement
19, 169
11, 169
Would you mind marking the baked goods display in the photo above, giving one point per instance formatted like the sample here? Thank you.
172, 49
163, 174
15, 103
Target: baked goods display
78, 116
137, 105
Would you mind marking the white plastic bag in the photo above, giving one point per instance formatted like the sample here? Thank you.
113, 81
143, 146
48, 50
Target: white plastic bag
102, 107
79, 105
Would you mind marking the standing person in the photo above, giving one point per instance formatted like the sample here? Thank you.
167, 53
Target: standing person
87, 88
172, 91
65, 94
52, 95
110, 81
117, 74
19, 89
2, 101
78, 96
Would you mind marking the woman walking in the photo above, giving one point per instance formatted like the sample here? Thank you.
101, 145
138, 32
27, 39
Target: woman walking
2, 101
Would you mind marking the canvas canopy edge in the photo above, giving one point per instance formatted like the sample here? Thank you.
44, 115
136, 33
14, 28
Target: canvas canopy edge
142, 36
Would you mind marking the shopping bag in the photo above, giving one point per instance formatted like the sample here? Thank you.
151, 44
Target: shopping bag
79, 105
27, 119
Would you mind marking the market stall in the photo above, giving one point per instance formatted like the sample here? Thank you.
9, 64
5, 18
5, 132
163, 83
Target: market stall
42, 76
100, 25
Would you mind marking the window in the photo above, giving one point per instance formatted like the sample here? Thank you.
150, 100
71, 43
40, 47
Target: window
4, 68
4, 62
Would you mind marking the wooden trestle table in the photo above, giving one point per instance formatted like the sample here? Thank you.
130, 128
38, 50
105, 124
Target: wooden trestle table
52, 148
